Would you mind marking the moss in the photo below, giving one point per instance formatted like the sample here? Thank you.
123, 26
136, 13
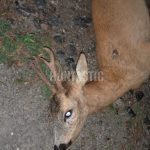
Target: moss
14, 45
45, 91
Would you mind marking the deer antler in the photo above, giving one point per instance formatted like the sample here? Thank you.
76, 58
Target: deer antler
42, 75
52, 66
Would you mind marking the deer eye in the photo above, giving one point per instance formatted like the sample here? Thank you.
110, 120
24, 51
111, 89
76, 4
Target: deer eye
68, 114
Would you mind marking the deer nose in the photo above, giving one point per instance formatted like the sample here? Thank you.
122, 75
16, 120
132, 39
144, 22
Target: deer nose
56, 148
62, 146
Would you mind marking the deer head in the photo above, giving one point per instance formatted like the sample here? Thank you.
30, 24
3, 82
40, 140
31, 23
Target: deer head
69, 98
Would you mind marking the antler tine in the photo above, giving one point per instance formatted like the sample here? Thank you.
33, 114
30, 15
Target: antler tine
52, 66
42, 75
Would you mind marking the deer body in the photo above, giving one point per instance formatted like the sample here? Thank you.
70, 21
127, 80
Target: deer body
122, 29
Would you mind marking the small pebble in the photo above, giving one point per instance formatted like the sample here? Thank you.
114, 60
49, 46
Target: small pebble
100, 122
17, 3
107, 138
72, 50
59, 39
92, 46
60, 53
37, 23
82, 21
44, 26
40, 3
12, 133
139, 95
146, 120
54, 21
131, 113
26, 11
69, 60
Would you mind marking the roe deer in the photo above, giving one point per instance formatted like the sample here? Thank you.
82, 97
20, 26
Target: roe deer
122, 29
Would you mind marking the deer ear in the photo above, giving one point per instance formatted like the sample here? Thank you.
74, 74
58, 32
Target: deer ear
82, 70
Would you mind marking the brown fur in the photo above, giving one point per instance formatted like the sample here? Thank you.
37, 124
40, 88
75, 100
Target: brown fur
122, 29
124, 26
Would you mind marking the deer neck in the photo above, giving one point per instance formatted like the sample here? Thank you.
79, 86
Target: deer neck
99, 94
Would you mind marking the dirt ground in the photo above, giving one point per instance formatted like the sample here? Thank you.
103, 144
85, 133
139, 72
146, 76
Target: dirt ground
26, 123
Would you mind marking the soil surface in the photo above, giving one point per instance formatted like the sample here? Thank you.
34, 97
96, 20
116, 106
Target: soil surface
25, 121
